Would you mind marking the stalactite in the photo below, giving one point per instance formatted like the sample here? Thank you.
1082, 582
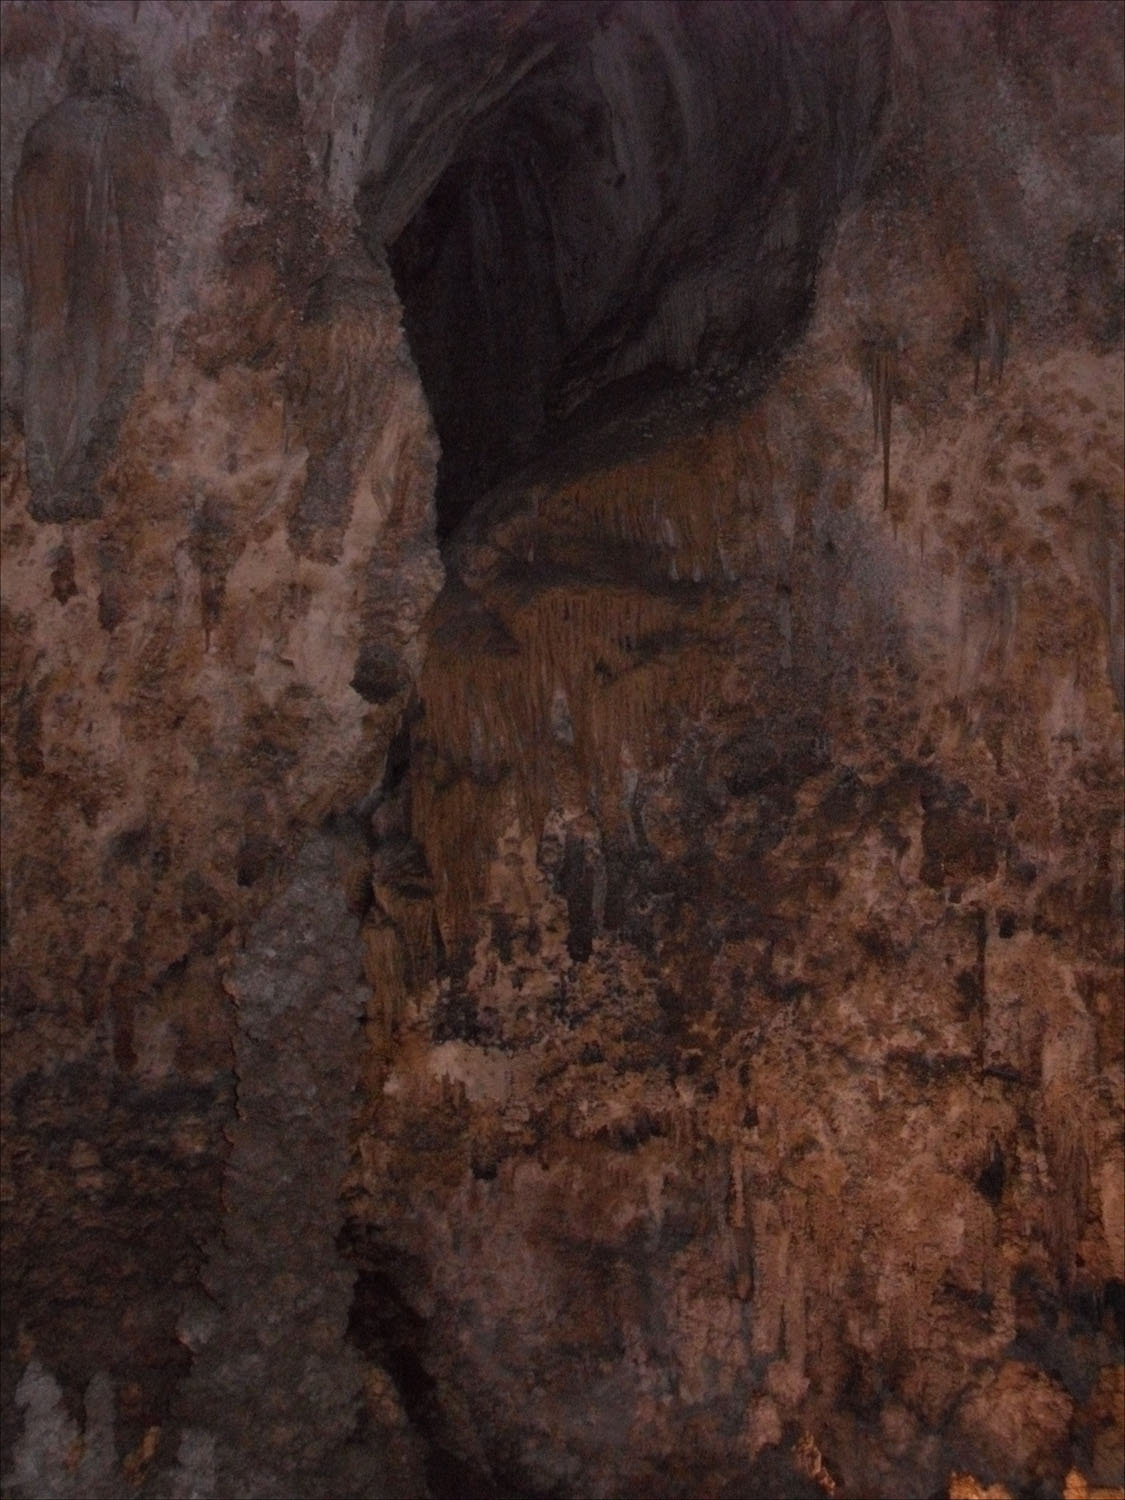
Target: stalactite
681, 503
411, 911
627, 661
456, 822
990, 329
1068, 1204
489, 722
880, 366
810, 1461
209, 545
384, 970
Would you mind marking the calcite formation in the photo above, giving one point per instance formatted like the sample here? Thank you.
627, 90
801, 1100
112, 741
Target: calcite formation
562, 907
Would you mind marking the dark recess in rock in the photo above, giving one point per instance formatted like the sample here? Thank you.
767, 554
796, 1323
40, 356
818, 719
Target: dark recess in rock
378, 673
386, 1327
640, 217
992, 1176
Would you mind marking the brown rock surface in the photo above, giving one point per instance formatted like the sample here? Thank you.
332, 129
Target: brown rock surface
645, 1016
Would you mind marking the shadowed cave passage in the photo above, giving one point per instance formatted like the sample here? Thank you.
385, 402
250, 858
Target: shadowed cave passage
637, 223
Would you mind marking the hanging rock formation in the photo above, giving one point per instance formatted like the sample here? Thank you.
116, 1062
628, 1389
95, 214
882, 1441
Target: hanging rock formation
562, 911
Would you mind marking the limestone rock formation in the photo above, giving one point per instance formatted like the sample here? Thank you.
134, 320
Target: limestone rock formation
563, 906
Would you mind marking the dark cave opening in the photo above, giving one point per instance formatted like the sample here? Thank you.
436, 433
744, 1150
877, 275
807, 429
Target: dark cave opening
634, 229
385, 1327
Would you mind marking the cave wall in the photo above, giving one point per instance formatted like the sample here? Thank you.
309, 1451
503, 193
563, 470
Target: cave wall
631, 1005
218, 542
747, 1109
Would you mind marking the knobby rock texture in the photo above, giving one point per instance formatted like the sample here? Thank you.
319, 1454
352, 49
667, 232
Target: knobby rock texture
563, 681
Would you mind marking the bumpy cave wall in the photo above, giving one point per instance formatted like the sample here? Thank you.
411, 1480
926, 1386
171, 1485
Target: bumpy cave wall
630, 1004
218, 544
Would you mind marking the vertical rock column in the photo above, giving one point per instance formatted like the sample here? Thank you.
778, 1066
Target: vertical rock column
274, 1389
